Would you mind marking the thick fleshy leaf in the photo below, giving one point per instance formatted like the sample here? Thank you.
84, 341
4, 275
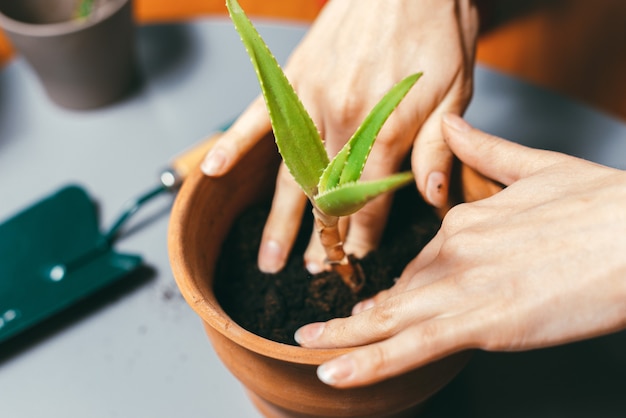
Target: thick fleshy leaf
360, 145
331, 175
346, 199
296, 135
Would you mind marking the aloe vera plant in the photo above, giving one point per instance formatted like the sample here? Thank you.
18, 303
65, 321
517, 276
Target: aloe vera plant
332, 186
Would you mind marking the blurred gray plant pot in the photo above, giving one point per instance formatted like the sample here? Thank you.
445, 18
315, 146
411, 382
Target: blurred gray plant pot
82, 63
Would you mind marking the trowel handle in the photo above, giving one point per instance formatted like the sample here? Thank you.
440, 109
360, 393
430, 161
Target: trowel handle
171, 179
181, 165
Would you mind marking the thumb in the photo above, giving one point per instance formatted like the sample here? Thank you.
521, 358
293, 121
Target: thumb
496, 158
251, 126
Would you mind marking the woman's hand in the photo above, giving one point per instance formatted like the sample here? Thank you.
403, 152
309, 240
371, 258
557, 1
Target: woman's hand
355, 51
539, 264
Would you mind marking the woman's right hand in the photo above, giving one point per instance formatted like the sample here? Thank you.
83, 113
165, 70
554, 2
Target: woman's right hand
539, 264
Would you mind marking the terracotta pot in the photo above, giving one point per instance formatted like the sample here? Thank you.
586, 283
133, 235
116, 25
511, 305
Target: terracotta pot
82, 64
280, 379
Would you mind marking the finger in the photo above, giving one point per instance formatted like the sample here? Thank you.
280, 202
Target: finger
245, 132
408, 279
367, 226
469, 25
432, 163
283, 223
496, 158
416, 346
370, 303
314, 255
432, 158
382, 321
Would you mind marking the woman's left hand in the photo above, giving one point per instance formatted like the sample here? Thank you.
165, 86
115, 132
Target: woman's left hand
355, 51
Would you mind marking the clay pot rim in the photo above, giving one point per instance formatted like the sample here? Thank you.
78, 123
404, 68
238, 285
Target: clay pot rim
60, 28
209, 309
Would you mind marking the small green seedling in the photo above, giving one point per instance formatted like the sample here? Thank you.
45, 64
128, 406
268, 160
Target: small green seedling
333, 186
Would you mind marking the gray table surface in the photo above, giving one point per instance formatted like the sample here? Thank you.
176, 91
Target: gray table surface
137, 349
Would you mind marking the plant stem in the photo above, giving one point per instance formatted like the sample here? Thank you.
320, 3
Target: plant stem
327, 228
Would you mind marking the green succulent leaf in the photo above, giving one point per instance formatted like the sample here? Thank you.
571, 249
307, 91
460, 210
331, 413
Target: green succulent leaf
296, 135
347, 198
332, 174
347, 166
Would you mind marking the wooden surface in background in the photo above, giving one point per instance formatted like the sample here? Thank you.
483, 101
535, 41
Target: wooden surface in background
575, 47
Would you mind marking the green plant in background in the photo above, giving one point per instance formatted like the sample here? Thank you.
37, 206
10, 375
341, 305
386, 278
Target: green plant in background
332, 186
84, 8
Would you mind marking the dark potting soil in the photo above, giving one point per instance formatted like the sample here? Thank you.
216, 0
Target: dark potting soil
274, 306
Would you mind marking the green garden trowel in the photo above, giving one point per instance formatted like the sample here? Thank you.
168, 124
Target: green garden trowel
53, 254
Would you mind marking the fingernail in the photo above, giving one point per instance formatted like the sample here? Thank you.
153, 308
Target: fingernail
456, 122
309, 333
363, 306
213, 163
270, 257
336, 371
437, 189
314, 267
